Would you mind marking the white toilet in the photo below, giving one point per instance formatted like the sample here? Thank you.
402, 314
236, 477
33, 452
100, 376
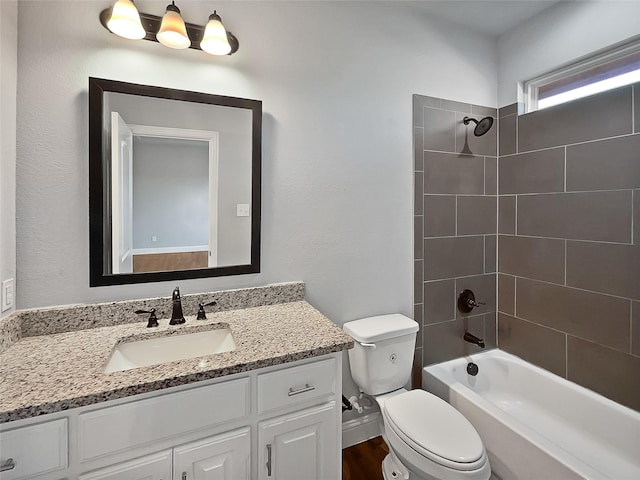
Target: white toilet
428, 439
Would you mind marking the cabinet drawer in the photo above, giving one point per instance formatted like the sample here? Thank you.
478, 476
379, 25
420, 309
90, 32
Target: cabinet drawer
34, 449
114, 429
296, 384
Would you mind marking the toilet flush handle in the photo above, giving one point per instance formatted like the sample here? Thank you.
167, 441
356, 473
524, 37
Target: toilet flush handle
371, 345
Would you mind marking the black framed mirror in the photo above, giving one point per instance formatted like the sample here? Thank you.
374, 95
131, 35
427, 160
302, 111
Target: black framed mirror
174, 184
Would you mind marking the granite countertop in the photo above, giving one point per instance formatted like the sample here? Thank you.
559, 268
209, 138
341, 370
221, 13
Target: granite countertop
55, 372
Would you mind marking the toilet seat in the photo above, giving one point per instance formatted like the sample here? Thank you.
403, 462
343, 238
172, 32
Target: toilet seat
435, 430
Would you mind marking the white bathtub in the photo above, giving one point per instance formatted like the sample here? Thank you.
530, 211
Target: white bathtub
537, 425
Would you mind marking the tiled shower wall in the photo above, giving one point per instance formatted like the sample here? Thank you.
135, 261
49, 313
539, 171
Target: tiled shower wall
455, 218
569, 243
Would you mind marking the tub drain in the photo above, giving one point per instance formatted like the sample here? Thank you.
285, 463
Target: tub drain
472, 369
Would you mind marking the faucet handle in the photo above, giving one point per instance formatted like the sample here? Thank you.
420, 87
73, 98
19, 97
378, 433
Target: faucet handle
202, 315
467, 301
153, 320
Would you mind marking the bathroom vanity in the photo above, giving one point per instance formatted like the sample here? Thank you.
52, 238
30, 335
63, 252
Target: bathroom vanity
269, 409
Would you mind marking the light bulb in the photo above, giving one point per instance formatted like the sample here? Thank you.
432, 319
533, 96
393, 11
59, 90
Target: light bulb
173, 32
124, 20
214, 40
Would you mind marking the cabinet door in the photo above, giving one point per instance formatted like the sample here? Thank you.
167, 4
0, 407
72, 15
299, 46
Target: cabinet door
301, 445
222, 457
151, 467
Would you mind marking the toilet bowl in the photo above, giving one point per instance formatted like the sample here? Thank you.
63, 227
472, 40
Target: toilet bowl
428, 439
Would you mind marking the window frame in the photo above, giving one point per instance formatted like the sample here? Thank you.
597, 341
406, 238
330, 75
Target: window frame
600, 58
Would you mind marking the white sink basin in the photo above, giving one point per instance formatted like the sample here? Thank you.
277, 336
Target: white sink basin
142, 353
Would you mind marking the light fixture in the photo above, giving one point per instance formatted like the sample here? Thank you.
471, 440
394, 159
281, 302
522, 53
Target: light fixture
173, 32
215, 39
170, 30
124, 20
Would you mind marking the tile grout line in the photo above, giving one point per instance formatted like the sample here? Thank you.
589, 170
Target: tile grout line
606, 242
566, 355
565, 262
565, 168
623, 135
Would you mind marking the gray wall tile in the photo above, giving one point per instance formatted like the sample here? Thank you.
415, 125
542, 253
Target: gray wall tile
484, 289
577, 121
439, 215
468, 143
484, 111
450, 173
635, 328
490, 254
507, 214
524, 339
439, 130
418, 271
507, 294
535, 172
439, 301
490, 175
636, 217
455, 106
418, 237
418, 313
490, 330
604, 370
592, 316
507, 127
443, 341
453, 257
476, 215
418, 156
537, 258
416, 370
600, 216
508, 110
419, 102
418, 191
611, 164
604, 267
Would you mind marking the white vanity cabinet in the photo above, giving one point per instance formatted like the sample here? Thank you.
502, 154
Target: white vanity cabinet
220, 429
301, 445
151, 467
221, 457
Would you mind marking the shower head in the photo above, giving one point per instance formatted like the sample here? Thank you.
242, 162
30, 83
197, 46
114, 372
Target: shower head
482, 126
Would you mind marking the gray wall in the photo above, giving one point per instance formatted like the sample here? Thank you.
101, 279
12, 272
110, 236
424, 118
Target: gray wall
569, 243
8, 91
455, 227
170, 193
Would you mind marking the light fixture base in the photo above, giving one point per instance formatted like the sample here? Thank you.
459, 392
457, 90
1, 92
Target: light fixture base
151, 24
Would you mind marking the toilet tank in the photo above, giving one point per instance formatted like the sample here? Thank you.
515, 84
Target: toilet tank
382, 356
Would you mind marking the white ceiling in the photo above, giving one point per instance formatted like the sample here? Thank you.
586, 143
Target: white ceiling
488, 17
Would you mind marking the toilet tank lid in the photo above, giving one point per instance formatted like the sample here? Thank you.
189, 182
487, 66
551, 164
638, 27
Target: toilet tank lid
381, 327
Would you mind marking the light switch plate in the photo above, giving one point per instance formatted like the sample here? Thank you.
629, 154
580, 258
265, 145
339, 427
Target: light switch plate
8, 293
242, 210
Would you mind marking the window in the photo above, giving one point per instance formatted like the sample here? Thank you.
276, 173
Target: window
605, 71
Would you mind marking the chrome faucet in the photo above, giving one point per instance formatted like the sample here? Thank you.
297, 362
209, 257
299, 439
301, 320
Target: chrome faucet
177, 317
473, 339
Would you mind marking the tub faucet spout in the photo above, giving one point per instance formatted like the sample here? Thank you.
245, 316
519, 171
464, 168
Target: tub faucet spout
468, 337
177, 316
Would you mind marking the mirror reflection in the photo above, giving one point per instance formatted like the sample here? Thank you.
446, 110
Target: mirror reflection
180, 176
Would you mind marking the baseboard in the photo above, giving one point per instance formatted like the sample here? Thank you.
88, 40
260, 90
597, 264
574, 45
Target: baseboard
360, 429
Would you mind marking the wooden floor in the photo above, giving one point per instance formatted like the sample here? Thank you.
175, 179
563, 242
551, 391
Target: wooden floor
364, 460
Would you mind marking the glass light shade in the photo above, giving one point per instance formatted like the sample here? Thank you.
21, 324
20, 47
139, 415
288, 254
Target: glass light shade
125, 20
173, 32
214, 40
